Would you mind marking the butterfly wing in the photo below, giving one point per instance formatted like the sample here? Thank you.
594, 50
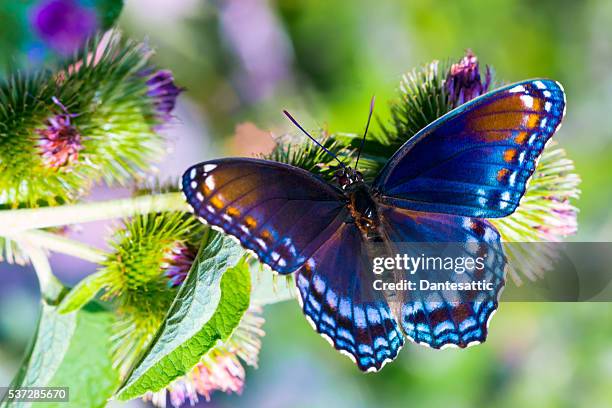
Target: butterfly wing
280, 212
476, 160
434, 318
337, 299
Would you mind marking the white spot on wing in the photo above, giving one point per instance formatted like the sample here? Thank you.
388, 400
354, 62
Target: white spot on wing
518, 88
539, 84
527, 100
260, 242
209, 167
210, 183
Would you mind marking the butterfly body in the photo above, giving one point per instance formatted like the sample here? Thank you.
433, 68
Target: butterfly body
440, 187
361, 206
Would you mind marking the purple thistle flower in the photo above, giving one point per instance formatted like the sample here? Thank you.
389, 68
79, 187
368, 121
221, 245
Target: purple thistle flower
164, 93
60, 142
177, 263
464, 83
63, 25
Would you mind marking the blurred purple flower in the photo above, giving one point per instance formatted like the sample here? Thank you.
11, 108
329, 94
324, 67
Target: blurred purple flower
256, 36
60, 142
164, 93
63, 25
464, 82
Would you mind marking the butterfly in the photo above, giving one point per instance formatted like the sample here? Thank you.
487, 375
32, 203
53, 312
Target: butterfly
442, 185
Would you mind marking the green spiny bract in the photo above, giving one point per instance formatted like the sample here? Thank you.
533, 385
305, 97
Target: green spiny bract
136, 275
309, 156
88, 119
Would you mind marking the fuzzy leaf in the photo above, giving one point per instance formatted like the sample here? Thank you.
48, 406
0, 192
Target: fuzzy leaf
82, 293
56, 356
207, 309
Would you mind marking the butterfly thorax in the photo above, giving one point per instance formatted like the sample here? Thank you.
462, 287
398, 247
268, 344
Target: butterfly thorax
362, 207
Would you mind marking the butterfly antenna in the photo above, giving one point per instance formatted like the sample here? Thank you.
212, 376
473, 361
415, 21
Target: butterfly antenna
295, 122
366, 130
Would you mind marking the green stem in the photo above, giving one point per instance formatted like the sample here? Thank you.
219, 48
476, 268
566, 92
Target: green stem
50, 287
58, 243
12, 221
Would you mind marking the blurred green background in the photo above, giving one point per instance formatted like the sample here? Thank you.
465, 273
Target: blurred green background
246, 60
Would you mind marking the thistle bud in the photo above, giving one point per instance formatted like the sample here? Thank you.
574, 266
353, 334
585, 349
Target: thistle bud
164, 92
464, 82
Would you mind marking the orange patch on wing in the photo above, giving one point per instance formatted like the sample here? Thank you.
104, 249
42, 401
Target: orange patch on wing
233, 212
509, 155
531, 120
265, 234
250, 222
216, 202
502, 174
521, 137
502, 120
507, 104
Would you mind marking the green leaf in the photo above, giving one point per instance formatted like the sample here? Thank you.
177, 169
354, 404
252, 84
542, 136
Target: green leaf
82, 293
71, 350
50, 345
207, 309
87, 366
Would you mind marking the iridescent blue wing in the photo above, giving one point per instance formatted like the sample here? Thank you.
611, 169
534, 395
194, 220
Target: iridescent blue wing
280, 212
442, 318
476, 160
338, 300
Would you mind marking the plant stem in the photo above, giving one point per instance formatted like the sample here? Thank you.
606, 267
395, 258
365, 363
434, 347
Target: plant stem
50, 286
12, 221
58, 243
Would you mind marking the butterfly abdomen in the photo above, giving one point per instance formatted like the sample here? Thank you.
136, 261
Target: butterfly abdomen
362, 209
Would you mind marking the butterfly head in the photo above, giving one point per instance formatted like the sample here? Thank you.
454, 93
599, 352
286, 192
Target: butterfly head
348, 176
